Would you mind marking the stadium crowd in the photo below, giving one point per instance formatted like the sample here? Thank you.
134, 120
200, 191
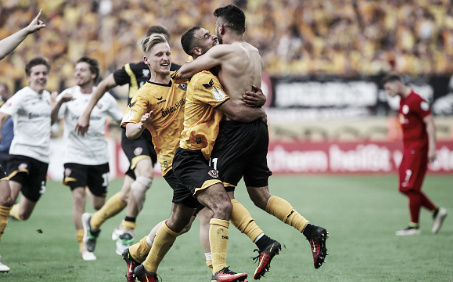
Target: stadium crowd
294, 37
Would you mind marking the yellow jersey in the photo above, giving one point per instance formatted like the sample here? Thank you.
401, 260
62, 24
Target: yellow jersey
201, 118
167, 103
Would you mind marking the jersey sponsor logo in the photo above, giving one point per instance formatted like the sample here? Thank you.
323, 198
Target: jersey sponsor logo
173, 108
218, 94
138, 151
213, 173
209, 85
38, 115
424, 106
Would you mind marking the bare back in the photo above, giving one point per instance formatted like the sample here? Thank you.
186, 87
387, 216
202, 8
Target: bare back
240, 70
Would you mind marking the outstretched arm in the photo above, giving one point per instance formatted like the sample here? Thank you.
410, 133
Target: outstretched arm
242, 113
84, 120
214, 57
10, 43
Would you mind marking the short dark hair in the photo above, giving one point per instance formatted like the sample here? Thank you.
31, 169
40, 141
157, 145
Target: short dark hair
35, 62
158, 29
391, 77
233, 16
188, 40
94, 65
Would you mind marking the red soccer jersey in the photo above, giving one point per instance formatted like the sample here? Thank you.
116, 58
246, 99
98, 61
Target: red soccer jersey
413, 109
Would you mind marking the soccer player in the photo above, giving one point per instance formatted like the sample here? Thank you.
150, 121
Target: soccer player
7, 45
419, 141
86, 158
140, 153
240, 68
30, 110
151, 108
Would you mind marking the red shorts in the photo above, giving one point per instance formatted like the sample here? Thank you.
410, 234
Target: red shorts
412, 170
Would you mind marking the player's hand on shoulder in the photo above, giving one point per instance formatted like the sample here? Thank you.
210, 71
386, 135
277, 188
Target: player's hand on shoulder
254, 98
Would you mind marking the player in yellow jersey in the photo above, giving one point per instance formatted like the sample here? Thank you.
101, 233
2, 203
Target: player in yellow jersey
181, 214
239, 66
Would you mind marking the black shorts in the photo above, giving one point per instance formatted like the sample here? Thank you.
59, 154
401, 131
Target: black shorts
138, 149
192, 169
30, 173
3, 175
95, 177
181, 194
241, 150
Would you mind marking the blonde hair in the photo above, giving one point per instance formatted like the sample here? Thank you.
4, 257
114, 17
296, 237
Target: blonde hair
149, 42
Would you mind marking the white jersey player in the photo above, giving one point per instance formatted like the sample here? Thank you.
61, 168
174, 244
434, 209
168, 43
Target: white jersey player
86, 157
30, 110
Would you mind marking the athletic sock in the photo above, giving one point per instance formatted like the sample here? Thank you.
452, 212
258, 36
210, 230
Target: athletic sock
128, 223
308, 231
165, 237
4, 214
79, 236
263, 242
139, 251
111, 208
14, 212
283, 210
218, 238
243, 221
209, 261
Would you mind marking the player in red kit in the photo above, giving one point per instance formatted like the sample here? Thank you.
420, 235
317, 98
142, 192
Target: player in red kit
419, 148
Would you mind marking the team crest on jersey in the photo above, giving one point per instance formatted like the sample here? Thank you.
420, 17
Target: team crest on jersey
218, 94
138, 151
23, 166
424, 106
67, 172
213, 173
183, 86
405, 109
99, 105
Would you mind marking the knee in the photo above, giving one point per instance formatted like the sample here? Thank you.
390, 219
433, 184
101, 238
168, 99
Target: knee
7, 202
98, 206
223, 209
259, 199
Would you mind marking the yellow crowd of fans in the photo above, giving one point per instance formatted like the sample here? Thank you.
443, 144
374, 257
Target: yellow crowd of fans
341, 37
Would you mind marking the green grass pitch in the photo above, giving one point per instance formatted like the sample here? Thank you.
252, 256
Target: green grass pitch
361, 214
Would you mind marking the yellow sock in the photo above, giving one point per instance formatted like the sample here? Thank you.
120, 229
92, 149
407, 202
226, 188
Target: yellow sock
283, 210
218, 237
79, 235
209, 264
128, 225
113, 206
163, 241
4, 213
243, 221
14, 212
139, 251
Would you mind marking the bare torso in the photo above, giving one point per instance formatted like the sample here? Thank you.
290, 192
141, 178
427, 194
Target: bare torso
241, 69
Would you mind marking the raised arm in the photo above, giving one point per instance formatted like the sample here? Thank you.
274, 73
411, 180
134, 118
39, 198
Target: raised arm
66, 97
8, 44
214, 57
431, 130
84, 120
